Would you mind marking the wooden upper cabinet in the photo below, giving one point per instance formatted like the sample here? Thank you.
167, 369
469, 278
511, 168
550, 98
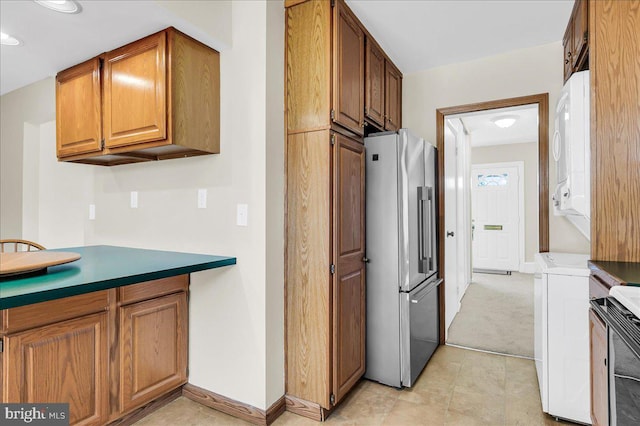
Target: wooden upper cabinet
161, 99
576, 39
76, 350
393, 97
567, 46
78, 109
135, 92
348, 79
374, 93
580, 30
349, 282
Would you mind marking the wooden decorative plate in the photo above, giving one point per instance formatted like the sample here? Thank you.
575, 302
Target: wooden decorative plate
30, 261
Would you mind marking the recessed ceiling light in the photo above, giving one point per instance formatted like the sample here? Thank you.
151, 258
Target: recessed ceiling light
64, 6
504, 121
7, 40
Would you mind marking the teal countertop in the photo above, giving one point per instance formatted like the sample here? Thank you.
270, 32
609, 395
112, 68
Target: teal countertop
626, 272
101, 268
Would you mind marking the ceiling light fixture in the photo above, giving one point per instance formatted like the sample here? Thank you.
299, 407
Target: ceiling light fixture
504, 121
64, 6
7, 40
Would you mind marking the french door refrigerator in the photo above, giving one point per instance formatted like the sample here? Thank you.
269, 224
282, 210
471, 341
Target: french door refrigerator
401, 249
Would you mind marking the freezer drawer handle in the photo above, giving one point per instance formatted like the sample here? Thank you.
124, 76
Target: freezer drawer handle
432, 286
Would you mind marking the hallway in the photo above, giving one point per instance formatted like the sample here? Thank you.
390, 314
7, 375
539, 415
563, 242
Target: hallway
496, 315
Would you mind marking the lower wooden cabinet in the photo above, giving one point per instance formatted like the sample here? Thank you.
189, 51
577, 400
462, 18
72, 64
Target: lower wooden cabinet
153, 349
105, 353
61, 362
599, 375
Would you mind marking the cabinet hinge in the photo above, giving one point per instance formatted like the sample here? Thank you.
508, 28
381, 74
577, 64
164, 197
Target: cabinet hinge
333, 114
102, 144
366, 110
332, 399
1, 346
332, 269
333, 140
333, 3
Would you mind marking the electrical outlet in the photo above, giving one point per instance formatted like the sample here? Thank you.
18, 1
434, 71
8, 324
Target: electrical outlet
242, 215
134, 199
92, 212
202, 198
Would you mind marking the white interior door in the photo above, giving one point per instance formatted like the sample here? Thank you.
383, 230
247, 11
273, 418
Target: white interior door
497, 207
452, 305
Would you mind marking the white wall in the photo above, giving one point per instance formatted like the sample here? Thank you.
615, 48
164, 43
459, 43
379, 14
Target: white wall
236, 344
518, 73
56, 195
34, 105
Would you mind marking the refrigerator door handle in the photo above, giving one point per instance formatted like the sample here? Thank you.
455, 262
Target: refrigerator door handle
430, 228
423, 261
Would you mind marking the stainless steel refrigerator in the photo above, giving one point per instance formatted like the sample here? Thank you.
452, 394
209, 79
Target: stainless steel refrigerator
402, 271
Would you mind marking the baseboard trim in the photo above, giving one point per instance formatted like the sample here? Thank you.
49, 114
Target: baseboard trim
307, 409
528, 268
145, 410
490, 352
276, 410
234, 408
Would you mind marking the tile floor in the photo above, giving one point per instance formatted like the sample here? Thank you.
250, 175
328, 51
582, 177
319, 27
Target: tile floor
458, 387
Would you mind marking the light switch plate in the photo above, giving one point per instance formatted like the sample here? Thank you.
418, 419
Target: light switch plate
92, 212
134, 199
242, 215
202, 198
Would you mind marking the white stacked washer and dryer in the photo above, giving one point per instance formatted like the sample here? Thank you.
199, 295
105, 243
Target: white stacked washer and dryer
561, 334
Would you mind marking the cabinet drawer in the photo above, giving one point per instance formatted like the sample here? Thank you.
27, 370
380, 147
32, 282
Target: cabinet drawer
598, 288
150, 289
43, 313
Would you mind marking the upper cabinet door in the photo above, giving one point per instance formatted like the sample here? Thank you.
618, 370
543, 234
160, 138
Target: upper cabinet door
393, 97
135, 88
580, 30
567, 46
374, 93
78, 109
348, 80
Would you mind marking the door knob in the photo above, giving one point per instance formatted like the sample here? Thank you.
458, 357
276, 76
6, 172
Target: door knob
450, 234
365, 260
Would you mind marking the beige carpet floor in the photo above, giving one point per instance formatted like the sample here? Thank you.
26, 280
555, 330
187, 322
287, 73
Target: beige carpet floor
496, 315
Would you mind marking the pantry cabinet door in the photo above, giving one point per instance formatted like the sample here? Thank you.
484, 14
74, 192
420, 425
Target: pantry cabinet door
349, 279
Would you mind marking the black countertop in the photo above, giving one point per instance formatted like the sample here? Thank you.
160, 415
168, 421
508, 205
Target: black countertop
627, 272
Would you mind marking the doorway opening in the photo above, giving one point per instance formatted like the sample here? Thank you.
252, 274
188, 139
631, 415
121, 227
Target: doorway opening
484, 224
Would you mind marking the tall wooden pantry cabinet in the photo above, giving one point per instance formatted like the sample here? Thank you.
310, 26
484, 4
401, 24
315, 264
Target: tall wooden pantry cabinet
325, 204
